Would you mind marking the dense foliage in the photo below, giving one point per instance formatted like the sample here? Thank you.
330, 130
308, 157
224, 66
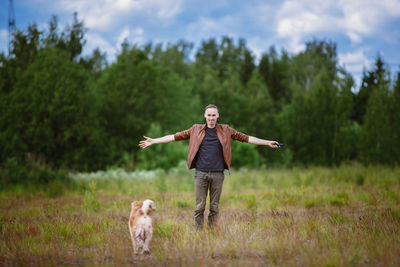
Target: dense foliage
65, 110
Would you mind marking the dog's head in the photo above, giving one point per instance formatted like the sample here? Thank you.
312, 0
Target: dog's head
148, 206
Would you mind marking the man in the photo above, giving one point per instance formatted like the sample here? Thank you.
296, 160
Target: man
210, 153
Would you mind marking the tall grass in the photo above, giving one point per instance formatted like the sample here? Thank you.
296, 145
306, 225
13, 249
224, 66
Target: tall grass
343, 216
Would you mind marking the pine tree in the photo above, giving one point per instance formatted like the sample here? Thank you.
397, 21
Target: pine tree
370, 80
376, 128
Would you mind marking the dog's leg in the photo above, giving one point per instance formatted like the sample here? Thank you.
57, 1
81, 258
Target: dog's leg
135, 247
133, 239
149, 236
139, 240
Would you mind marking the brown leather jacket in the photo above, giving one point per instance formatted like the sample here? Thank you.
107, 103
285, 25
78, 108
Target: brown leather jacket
197, 133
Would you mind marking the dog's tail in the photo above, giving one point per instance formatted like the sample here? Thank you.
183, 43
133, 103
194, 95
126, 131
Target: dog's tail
136, 204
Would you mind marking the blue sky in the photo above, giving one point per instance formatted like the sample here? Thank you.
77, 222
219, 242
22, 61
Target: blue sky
360, 28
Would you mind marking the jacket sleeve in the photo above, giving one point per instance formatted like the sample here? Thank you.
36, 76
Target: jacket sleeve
238, 136
183, 135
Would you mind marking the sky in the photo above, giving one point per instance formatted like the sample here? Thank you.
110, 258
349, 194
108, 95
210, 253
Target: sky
361, 29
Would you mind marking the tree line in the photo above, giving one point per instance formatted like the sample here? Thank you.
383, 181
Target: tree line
61, 109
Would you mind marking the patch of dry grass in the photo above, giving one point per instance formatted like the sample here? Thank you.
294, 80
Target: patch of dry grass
303, 217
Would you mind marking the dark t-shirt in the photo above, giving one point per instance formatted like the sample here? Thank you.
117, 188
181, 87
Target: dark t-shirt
210, 156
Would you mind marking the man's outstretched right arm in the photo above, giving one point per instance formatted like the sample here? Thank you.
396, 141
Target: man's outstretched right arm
150, 141
184, 135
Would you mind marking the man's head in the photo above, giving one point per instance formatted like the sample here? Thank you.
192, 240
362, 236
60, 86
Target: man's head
211, 115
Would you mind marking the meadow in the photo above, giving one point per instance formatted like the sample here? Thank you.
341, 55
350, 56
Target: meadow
340, 216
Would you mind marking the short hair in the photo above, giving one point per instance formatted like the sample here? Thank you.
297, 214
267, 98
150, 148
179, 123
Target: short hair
210, 106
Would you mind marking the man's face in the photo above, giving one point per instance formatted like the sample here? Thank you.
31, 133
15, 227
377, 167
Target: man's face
211, 116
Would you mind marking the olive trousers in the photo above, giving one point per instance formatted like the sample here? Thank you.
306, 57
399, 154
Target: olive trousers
207, 182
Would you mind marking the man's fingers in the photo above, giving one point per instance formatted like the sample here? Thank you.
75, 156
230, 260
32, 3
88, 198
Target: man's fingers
275, 144
143, 145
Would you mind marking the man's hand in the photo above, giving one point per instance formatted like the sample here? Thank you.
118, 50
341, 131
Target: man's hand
274, 144
257, 141
146, 143
149, 141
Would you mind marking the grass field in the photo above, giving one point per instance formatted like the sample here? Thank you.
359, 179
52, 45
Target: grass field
344, 216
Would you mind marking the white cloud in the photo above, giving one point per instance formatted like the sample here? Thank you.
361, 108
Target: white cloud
354, 62
302, 19
257, 46
354, 37
135, 36
105, 14
205, 28
123, 36
365, 18
96, 41
297, 20
166, 9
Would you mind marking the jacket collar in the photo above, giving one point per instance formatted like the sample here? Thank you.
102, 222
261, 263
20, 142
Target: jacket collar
204, 127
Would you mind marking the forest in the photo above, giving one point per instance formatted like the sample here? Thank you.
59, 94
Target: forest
61, 110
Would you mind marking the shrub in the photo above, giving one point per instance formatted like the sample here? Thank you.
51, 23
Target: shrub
165, 156
244, 155
13, 172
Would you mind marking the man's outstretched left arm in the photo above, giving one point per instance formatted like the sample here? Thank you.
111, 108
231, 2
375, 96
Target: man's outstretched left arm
257, 141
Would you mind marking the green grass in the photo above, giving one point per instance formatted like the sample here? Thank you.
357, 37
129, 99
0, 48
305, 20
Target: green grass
343, 216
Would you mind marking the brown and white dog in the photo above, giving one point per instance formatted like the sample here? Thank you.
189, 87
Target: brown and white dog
141, 224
